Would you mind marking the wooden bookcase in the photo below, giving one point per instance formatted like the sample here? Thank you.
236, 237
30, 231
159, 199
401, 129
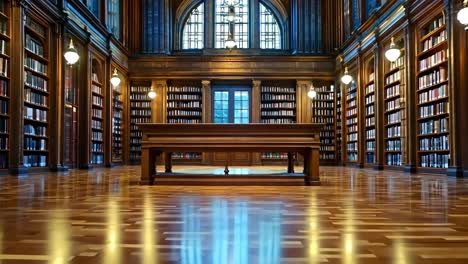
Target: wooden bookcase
432, 95
278, 105
117, 124
185, 106
140, 112
394, 124
351, 117
4, 84
323, 112
97, 112
338, 125
36, 94
370, 114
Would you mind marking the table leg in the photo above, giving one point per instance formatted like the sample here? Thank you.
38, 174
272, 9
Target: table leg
226, 166
168, 162
148, 166
306, 163
313, 162
290, 162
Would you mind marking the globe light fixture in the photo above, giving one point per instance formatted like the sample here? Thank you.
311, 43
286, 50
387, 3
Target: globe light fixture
230, 43
71, 55
346, 78
462, 15
152, 94
393, 53
312, 93
115, 80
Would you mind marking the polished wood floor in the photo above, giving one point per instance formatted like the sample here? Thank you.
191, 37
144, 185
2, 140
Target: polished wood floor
356, 216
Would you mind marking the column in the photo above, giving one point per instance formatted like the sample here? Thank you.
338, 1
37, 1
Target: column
379, 105
207, 158
256, 109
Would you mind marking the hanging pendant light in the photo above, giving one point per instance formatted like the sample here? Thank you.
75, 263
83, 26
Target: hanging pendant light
393, 53
71, 55
115, 80
230, 42
346, 78
312, 93
462, 15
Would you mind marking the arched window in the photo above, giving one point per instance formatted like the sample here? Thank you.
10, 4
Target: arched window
193, 32
241, 27
270, 34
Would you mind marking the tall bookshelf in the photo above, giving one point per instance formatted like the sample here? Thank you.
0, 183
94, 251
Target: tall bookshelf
323, 112
140, 112
393, 111
185, 106
36, 95
432, 96
97, 113
117, 123
4, 84
370, 114
338, 126
277, 106
351, 116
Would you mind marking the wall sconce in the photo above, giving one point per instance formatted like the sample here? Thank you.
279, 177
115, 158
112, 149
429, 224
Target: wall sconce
312, 93
152, 94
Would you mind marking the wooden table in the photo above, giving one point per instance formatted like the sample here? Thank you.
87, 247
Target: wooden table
160, 138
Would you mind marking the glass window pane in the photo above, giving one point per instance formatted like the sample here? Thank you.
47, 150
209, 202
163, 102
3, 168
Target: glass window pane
241, 34
270, 34
193, 33
113, 13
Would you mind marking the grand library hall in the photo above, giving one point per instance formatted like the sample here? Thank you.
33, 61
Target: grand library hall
233, 131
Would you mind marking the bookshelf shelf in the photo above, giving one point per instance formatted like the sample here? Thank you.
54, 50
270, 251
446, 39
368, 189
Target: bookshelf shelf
117, 124
323, 111
97, 113
351, 129
432, 96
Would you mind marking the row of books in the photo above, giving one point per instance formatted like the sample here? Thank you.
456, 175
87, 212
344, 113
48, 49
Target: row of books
274, 155
34, 46
96, 124
184, 97
141, 112
34, 26
435, 109
327, 141
352, 136
324, 112
434, 143
35, 160
182, 113
370, 110
327, 148
370, 134
135, 139
34, 65
351, 95
278, 121
94, 76
182, 104
370, 88
391, 91
184, 89
324, 96
96, 89
3, 26
392, 104
370, 121
351, 121
186, 155
393, 159
136, 120
3, 46
142, 97
278, 89
35, 81
323, 104
279, 105
3, 67
433, 78
394, 118
4, 128
393, 78
351, 103
370, 157
96, 147
96, 135
370, 99
3, 87
393, 145
435, 24
35, 144
434, 40
435, 160
140, 89
97, 158
325, 89
393, 131
96, 113
327, 156
3, 161
183, 121
4, 143
278, 97
97, 100
397, 64
433, 126
142, 104
35, 114
3, 107
322, 119
352, 156
433, 60
34, 98
433, 94
34, 130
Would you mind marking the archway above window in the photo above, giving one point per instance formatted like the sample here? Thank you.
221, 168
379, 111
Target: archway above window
270, 33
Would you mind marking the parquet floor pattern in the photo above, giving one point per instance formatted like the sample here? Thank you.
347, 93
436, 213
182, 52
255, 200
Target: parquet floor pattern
356, 216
